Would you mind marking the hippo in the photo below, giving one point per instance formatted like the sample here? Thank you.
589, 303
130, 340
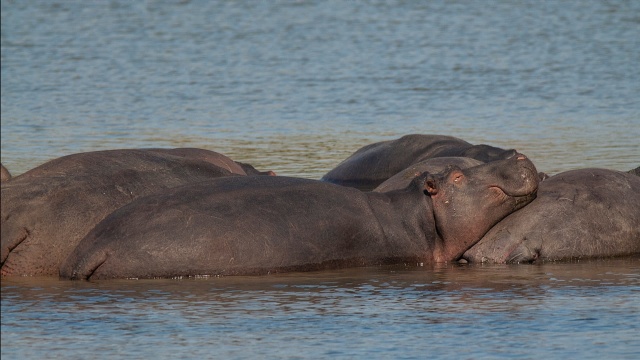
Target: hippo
635, 171
577, 214
434, 165
49, 209
372, 164
404, 177
263, 225
4, 174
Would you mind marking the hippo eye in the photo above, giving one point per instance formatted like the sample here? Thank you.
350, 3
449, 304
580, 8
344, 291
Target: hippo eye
458, 178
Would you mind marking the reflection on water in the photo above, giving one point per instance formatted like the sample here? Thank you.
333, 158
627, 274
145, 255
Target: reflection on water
584, 309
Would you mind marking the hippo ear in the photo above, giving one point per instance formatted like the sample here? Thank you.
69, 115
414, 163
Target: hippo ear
431, 184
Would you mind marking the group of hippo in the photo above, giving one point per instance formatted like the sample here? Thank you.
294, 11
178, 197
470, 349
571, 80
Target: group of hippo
419, 199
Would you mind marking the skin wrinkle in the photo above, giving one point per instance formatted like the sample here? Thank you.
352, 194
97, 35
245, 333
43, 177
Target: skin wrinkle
106, 256
380, 228
24, 235
514, 256
229, 249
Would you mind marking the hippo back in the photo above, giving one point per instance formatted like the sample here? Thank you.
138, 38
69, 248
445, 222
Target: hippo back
47, 210
4, 173
371, 165
577, 214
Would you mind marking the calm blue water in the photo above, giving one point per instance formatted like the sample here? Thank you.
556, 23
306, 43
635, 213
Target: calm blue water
295, 87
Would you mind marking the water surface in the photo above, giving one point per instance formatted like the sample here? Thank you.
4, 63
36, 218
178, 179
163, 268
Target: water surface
297, 86
587, 309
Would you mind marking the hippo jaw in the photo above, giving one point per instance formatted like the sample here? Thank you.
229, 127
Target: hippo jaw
518, 200
467, 203
521, 201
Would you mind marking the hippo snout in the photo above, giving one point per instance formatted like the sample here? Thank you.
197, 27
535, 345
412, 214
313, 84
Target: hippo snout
521, 179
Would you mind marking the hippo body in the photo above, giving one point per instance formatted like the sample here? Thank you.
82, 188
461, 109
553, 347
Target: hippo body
261, 225
5, 175
49, 209
577, 214
372, 164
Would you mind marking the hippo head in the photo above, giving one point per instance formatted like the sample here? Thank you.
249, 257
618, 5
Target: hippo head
467, 203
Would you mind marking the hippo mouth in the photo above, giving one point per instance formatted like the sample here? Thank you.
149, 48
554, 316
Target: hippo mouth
523, 200
519, 199
522, 190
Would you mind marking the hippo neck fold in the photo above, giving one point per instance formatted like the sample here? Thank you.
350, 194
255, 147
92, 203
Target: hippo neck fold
407, 223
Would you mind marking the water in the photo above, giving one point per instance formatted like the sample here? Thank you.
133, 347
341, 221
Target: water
295, 87
587, 310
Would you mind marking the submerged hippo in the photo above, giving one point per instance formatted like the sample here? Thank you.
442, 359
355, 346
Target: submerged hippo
369, 166
4, 173
261, 225
577, 214
48, 210
635, 171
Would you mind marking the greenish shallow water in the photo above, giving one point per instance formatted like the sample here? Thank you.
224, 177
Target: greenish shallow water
295, 87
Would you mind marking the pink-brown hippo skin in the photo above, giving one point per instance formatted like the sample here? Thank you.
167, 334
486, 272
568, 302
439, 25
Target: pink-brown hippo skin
586, 213
371, 165
265, 224
49, 209
4, 174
